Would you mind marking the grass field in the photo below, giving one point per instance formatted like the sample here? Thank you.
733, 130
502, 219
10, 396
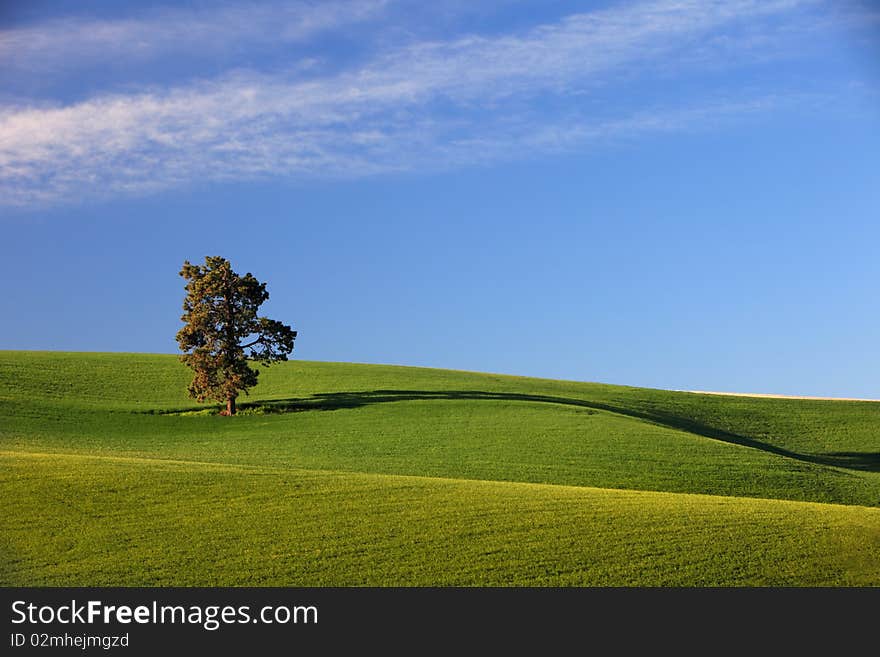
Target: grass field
342, 474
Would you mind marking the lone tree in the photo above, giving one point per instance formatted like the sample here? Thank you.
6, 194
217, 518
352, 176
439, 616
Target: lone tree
222, 331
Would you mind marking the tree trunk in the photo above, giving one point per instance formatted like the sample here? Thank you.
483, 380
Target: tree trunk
230, 406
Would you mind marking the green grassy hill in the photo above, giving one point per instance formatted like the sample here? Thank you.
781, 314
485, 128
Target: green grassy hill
342, 474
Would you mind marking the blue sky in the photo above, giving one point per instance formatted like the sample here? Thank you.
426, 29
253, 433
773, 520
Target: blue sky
671, 193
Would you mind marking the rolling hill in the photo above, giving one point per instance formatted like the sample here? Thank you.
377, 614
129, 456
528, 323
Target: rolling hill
344, 474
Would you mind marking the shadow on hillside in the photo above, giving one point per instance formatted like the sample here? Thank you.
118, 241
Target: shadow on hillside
333, 401
869, 461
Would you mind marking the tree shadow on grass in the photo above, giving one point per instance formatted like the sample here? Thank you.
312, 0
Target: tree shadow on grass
334, 401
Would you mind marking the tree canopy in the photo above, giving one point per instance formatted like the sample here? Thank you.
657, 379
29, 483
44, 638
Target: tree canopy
222, 331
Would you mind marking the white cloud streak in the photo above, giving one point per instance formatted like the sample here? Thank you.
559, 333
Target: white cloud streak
72, 42
425, 106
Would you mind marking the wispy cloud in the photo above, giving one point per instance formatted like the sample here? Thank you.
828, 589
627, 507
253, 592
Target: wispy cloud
437, 104
72, 42
575, 49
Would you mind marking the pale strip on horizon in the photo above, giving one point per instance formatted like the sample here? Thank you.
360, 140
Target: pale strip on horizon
773, 396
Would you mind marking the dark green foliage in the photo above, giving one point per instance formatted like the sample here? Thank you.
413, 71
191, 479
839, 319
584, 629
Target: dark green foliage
222, 331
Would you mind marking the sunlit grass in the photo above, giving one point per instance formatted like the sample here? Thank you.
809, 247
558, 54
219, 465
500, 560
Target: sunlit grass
361, 474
